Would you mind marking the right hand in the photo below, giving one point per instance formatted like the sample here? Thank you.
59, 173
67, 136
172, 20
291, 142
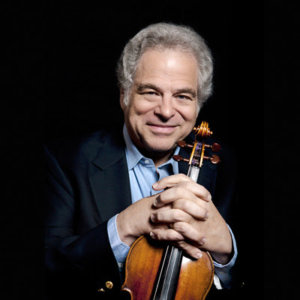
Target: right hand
135, 221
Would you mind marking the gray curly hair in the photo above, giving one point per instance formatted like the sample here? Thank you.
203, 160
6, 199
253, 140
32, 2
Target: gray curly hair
166, 36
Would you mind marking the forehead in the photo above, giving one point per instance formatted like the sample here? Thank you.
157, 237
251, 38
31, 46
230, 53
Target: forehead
173, 64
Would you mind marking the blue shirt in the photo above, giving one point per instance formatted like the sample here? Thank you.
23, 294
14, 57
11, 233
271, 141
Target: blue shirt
142, 175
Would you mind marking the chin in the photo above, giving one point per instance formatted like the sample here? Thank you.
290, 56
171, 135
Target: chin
160, 147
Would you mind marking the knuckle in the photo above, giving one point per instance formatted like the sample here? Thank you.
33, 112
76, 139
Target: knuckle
185, 185
179, 190
183, 177
160, 198
184, 205
183, 245
199, 240
178, 215
177, 204
156, 216
208, 196
160, 215
171, 235
203, 213
179, 226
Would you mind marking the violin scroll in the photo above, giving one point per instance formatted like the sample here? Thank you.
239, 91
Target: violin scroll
203, 130
198, 148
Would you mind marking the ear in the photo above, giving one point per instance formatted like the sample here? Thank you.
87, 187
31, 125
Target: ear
122, 94
199, 106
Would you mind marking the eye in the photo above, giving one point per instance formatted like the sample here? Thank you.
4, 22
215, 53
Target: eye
184, 97
151, 93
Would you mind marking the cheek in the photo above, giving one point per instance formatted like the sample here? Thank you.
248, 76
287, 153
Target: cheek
141, 107
189, 113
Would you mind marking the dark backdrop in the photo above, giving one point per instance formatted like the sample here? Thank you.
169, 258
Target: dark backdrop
281, 68
59, 80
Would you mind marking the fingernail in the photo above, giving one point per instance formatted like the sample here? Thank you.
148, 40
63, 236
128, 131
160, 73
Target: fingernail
155, 185
153, 218
198, 254
152, 235
203, 241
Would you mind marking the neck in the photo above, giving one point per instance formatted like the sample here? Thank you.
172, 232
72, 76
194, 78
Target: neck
158, 157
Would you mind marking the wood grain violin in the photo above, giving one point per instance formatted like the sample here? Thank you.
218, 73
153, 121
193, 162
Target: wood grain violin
157, 270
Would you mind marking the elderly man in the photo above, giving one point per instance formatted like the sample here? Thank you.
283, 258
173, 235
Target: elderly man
107, 189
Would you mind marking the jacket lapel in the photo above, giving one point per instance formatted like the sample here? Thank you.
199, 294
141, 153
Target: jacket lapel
109, 178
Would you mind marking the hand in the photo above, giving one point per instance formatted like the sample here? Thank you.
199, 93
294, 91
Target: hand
135, 221
193, 221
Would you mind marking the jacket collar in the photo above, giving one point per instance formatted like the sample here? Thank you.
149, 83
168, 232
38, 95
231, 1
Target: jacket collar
111, 150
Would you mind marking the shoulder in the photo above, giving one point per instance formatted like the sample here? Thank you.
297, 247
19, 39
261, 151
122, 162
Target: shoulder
79, 150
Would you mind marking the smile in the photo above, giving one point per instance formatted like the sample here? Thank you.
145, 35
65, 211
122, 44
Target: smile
162, 129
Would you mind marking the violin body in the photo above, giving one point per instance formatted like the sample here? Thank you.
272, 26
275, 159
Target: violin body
143, 264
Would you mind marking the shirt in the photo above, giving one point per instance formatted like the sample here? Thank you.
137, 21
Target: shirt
142, 175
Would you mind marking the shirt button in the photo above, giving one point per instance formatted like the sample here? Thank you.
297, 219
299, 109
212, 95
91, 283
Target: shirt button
147, 161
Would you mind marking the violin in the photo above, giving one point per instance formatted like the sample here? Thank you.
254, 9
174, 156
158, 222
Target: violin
156, 270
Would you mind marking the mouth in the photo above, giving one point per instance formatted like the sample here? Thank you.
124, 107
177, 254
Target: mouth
162, 129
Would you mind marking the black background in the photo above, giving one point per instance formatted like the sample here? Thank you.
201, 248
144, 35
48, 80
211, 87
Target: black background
58, 79
281, 209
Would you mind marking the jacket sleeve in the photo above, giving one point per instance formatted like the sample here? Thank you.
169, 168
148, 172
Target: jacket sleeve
227, 199
76, 263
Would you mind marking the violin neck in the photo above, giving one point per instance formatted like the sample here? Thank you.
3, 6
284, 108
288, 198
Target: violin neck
168, 275
193, 173
171, 263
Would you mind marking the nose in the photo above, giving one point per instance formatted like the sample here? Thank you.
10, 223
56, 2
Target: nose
165, 108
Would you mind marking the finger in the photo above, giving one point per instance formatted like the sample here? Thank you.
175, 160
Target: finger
184, 190
196, 209
190, 233
189, 249
181, 211
169, 234
170, 216
173, 180
169, 181
169, 196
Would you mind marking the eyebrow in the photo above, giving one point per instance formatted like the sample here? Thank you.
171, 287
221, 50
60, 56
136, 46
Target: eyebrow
143, 86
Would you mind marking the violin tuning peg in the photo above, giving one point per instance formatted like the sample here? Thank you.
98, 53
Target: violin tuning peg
180, 158
215, 159
183, 144
177, 157
216, 147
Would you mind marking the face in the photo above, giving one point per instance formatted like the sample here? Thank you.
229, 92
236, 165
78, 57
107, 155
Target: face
162, 107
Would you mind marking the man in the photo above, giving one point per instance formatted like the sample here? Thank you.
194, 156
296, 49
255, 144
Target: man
106, 190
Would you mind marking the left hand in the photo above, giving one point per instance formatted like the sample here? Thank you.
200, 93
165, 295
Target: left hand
187, 208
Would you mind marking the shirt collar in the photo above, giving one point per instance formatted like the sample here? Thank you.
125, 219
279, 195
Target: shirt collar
134, 156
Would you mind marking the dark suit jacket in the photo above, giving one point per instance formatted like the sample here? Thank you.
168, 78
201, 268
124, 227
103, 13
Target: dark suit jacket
87, 184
